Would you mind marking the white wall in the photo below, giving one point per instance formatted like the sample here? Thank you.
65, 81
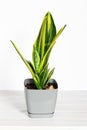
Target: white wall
20, 21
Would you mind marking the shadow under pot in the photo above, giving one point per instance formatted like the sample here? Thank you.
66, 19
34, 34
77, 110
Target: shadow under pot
40, 103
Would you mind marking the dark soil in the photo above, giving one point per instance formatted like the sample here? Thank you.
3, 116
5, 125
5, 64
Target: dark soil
49, 86
30, 86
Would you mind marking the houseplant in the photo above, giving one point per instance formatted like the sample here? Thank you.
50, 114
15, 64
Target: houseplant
41, 90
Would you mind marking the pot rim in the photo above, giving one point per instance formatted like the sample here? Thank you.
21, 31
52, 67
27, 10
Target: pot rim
30, 80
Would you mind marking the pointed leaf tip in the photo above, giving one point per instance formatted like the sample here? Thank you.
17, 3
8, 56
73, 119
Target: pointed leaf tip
65, 25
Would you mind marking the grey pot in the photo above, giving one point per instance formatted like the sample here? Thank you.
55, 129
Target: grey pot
40, 103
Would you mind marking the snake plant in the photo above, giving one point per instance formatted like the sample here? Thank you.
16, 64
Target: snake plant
41, 51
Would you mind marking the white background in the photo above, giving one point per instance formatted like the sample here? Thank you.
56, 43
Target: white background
20, 21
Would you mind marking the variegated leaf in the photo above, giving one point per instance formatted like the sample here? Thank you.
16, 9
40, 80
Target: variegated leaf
46, 35
48, 76
22, 57
50, 47
36, 59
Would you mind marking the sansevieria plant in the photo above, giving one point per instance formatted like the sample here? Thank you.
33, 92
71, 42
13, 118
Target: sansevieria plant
39, 67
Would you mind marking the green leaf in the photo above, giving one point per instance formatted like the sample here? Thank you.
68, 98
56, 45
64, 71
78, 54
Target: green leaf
31, 65
44, 69
46, 35
43, 74
42, 37
50, 30
49, 76
36, 59
50, 47
44, 79
40, 42
50, 73
22, 57
37, 81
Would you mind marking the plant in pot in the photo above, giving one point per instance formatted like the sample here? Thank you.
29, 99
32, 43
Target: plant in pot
41, 90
